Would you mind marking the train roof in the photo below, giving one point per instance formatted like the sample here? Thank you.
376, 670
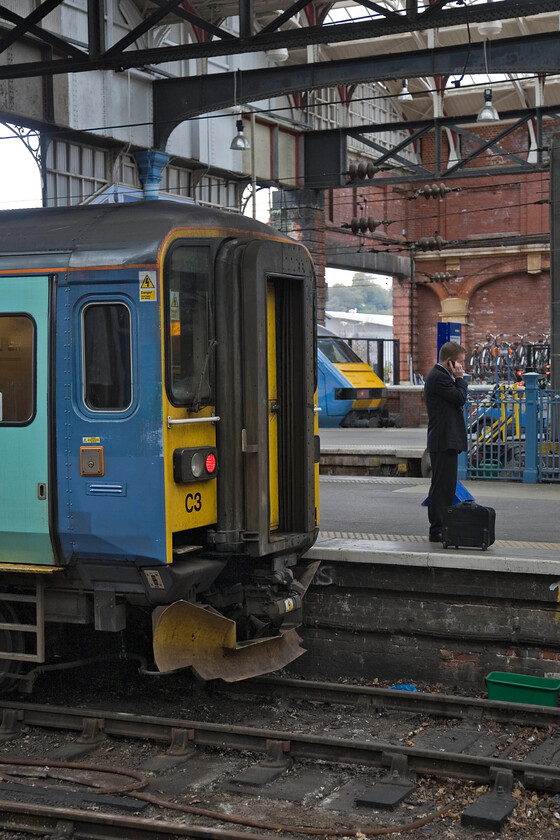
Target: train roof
106, 234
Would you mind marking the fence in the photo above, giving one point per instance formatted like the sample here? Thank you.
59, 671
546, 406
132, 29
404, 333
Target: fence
382, 354
513, 433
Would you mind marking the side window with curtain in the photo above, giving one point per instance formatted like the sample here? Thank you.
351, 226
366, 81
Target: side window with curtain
107, 356
17, 369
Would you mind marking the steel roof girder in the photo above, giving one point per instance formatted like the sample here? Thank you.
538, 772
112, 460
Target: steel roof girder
482, 172
397, 24
321, 148
96, 26
176, 100
26, 22
393, 154
488, 144
413, 138
149, 21
24, 26
64, 47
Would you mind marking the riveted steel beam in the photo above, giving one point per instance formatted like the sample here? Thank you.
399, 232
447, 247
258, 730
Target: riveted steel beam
323, 148
63, 47
175, 100
96, 26
380, 27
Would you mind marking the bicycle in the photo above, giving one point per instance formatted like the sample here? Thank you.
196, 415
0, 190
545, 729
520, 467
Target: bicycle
475, 363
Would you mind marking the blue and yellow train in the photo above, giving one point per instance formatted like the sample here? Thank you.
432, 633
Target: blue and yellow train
157, 436
349, 392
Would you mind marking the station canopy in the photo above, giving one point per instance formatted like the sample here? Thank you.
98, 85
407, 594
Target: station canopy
347, 30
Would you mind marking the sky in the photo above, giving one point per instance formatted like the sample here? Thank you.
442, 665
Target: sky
336, 276
20, 180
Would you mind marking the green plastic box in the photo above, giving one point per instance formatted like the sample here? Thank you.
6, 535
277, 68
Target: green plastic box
487, 469
521, 688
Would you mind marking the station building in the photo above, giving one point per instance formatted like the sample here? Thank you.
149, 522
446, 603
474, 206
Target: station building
149, 101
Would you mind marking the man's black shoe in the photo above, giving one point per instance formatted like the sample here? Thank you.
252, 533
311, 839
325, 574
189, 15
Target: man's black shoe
435, 538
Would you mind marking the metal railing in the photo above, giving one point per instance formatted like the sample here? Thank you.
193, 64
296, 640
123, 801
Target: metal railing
513, 433
382, 354
548, 435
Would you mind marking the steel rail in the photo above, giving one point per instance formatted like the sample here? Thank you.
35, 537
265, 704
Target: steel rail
96, 825
372, 697
374, 753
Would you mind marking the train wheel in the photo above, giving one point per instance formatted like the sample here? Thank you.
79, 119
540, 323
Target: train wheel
11, 641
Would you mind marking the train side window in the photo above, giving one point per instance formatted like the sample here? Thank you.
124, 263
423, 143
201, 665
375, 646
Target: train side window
17, 369
107, 356
189, 342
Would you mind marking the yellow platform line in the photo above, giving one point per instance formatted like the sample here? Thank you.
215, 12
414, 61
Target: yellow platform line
347, 535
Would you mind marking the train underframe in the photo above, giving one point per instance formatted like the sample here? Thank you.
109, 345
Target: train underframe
373, 418
229, 618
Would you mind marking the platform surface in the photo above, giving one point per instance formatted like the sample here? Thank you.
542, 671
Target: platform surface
382, 519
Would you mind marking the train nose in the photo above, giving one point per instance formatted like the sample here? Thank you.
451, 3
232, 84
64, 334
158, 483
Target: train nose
186, 636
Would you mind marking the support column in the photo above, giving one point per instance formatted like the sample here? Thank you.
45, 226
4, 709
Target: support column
531, 471
555, 262
302, 216
151, 163
403, 299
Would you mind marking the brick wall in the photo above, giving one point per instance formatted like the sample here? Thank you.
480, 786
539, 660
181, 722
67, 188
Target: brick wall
434, 625
498, 272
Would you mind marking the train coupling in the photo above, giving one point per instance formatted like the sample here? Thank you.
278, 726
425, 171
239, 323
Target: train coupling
187, 635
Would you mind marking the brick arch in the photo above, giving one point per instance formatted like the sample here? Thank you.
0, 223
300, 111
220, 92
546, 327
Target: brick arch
512, 302
437, 288
474, 281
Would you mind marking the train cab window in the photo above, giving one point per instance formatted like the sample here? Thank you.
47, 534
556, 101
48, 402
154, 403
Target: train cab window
107, 356
189, 342
17, 369
336, 350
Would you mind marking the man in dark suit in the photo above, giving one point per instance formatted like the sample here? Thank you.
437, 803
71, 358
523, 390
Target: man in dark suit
445, 393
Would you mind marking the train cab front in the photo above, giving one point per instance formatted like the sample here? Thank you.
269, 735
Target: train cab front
352, 394
240, 451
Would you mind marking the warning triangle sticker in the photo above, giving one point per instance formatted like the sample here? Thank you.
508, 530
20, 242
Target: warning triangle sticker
147, 285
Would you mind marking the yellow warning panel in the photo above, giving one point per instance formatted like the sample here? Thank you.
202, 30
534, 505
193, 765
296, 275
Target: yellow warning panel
147, 284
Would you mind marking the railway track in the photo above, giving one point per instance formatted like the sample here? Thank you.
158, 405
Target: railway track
481, 754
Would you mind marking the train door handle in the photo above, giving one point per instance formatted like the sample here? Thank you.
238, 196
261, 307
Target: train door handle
41, 491
248, 447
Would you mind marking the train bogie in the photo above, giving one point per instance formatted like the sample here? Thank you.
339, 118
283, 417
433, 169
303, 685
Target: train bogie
157, 431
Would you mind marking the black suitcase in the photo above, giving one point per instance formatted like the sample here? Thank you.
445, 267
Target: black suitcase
468, 524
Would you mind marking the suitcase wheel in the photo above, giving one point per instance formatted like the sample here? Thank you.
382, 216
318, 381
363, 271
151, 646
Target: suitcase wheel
484, 546
445, 544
